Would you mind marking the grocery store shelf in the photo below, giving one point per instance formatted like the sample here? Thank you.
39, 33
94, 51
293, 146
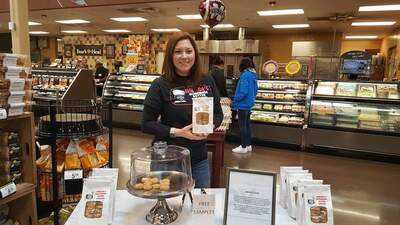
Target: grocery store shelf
354, 99
22, 190
355, 130
284, 91
277, 124
279, 112
272, 101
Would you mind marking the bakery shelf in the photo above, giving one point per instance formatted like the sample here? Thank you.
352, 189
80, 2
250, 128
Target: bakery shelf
355, 130
280, 112
272, 101
355, 99
22, 190
284, 91
277, 124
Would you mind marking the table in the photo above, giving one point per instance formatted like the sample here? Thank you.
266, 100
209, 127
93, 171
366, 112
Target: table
131, 210
215, 144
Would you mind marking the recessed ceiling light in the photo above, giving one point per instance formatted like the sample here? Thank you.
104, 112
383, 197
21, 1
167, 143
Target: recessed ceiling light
74, 31
219, 26
290, 26
362, 37
75, 21
281, 12
31, 23
129, 19
383, 23
190, 17
117, 31
374, 8
38, 32
165, 30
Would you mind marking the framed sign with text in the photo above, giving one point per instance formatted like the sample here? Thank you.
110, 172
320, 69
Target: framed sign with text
250, 197
89, 50
110, 51
68, 51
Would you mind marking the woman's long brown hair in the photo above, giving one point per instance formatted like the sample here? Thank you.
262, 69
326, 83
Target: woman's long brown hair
168, 67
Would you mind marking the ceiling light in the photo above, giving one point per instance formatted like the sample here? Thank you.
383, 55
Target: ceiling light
190, 17
166, 30
38, 32
362, 37
374, 8
281, 12
75, 21
290, 26
129, 19
31, 23
117, 31
74, 31
384, 23
219, 26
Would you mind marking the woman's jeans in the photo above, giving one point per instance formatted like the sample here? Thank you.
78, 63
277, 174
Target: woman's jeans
244, 125
201, 174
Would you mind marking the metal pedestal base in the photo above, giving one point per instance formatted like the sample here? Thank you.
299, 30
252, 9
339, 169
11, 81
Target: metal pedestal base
161, 213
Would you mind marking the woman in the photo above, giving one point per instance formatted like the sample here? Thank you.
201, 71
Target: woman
170, 98
245, 95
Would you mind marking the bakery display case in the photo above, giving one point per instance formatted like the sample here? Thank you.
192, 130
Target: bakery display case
366, 112
126, 92
50, 83
278, 115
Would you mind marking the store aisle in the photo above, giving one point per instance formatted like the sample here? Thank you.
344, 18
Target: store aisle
364, 192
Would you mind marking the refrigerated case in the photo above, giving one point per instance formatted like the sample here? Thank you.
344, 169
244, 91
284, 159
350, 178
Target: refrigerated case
279, 112
127, 92
355, 116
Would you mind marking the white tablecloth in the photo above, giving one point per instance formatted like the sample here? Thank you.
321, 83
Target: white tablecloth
131, 210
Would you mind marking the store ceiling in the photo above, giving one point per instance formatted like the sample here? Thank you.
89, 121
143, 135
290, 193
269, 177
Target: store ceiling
239, 13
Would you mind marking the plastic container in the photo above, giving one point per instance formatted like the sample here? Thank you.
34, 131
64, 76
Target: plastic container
16, 97
16, 84
16, 109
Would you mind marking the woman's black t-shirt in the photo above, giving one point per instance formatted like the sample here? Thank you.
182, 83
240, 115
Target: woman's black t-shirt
170, 105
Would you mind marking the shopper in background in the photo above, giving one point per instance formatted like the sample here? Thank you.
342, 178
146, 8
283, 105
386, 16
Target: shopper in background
167, 109
243, 101
217, 72
100, 77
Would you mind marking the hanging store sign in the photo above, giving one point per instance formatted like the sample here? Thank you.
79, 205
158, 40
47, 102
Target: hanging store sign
89, 50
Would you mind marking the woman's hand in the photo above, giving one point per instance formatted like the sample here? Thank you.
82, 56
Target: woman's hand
186, 132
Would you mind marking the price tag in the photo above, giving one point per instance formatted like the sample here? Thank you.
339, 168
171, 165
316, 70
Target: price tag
203, 204
8, 190
73, 174
3, 114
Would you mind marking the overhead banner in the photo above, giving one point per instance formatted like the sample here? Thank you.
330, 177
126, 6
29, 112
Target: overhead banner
89, 50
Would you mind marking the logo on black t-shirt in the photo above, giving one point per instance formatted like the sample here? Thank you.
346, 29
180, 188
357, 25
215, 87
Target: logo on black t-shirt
184, 95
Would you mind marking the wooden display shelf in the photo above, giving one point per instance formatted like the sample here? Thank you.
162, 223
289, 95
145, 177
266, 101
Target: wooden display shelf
22, 190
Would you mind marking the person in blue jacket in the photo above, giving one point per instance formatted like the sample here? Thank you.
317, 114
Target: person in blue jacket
245, 95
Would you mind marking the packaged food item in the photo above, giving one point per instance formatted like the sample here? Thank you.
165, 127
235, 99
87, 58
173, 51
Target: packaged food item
267, 95
286, 183
279, 96
283, 191
7, 59
366, 91
16, 84
278, 107
72, 157
102, 147
346, 89
318, 205
300, 203
257, 106
87, 154
283, 119
292, 186
287, 108
268, 106
16, 97
325, 88
203, 114
16, 109
96, 202
109, 174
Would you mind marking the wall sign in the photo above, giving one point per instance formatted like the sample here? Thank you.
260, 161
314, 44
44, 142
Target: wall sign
110, 51
89, 50
250, 198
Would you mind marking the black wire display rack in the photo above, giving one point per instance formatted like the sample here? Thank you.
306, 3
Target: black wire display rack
75, 119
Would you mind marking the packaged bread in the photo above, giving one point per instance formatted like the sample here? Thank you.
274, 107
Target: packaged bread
102, 147
72, 157
203, 110
318, 208
267, 106
87, 154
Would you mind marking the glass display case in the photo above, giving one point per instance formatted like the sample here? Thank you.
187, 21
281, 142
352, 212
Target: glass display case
369, 107
280, 102
50, 83
127, 91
